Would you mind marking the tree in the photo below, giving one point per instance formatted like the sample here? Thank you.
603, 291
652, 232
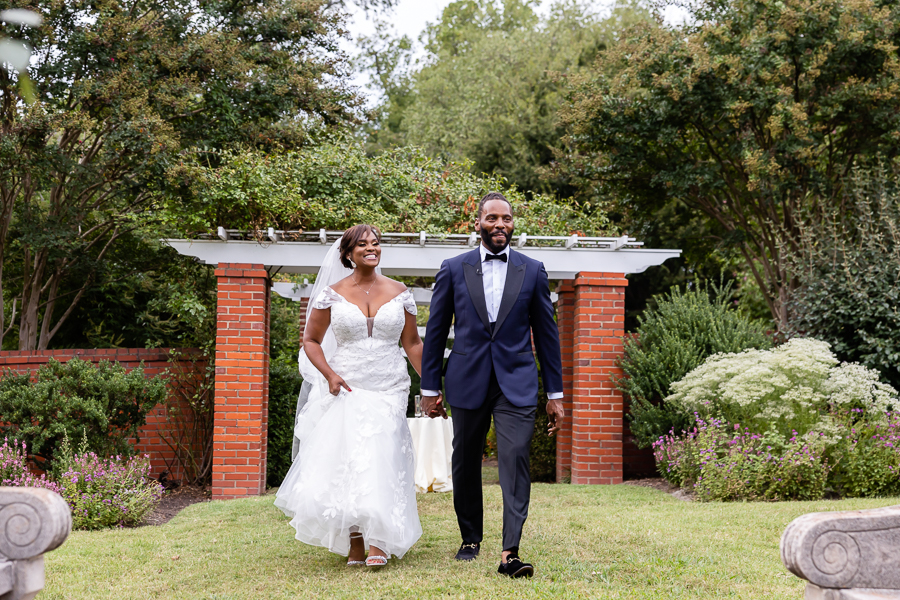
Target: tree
750, 116
492, 82
366, 5
390, 61
848, 270
122, 88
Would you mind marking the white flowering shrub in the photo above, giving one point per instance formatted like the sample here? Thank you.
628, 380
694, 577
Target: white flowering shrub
791, 388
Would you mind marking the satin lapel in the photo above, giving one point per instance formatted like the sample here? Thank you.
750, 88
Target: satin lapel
474, 282
515, 276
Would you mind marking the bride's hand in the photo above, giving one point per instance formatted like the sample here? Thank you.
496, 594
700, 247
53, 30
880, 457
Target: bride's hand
433, 406
335, 383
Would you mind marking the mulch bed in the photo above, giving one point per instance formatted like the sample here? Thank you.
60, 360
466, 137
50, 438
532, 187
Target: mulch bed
658, 483
173, 501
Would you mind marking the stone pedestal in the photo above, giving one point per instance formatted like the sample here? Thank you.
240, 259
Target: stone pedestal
814, 592
852, 555
32, 521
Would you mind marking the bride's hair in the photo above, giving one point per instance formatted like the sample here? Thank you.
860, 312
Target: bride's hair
351, 237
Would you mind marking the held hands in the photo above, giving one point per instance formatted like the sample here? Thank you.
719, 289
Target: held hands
433, 406
555, 415
335, 383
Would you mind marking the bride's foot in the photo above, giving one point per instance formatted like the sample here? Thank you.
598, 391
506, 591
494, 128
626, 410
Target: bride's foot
376, 558
357, 555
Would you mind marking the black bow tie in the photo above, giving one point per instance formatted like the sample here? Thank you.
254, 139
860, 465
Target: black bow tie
488, 257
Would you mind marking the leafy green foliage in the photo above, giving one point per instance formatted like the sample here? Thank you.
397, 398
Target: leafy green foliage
122, 89
146, 296
867, 458
748, 116
337, 185
284, 387
848, 269
542, 454
109, 492
672, 339
858, 456
102, 403
725, 462
284, 323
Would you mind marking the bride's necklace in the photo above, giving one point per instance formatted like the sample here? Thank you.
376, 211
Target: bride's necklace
370, 287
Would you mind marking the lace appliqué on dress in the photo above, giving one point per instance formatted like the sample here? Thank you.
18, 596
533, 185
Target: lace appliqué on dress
409, 303
326, 299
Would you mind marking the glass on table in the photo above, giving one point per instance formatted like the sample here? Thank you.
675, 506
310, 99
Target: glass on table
418, 405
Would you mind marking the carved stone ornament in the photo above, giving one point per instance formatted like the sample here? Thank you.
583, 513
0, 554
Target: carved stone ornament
32, 521
852, 555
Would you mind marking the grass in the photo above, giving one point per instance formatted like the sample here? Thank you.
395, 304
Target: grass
585, 541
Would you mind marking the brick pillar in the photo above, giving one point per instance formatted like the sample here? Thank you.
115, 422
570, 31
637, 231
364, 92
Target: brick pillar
598, 406
565, 320
304, 303
242, 381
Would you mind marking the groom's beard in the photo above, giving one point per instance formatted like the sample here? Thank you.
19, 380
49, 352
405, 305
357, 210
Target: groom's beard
491, 243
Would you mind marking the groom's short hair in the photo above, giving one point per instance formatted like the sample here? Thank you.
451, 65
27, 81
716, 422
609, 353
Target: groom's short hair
492, 196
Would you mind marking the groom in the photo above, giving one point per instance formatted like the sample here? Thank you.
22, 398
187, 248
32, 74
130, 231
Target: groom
500, 299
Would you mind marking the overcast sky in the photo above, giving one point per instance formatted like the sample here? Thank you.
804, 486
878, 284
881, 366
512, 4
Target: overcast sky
410, 17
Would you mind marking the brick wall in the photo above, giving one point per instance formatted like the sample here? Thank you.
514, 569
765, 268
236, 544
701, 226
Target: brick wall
242, 381
304, 304
565, 321
155, 362
597, 406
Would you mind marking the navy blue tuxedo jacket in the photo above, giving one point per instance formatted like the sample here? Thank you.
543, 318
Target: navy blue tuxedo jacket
525, 309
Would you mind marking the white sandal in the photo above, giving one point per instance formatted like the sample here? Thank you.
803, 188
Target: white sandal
352, 563
376, 561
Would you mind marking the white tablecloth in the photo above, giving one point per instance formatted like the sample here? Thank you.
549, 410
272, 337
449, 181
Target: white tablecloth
433, 443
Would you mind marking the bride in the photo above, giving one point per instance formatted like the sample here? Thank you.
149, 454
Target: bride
350, 486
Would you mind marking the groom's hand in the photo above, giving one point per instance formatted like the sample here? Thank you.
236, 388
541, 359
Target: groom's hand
433, 406
555, 414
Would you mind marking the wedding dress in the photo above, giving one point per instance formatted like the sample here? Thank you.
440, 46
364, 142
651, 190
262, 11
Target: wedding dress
355, 464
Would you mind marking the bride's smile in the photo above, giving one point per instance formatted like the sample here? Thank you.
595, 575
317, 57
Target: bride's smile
367, 252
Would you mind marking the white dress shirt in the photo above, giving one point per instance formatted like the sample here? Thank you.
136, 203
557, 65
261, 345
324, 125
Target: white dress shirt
494, 280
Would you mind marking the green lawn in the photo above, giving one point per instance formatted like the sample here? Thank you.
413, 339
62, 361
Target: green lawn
586, 542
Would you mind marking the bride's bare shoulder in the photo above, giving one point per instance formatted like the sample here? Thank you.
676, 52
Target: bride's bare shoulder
396, 286
343, 285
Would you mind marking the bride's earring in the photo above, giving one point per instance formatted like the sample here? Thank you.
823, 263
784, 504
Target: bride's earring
353, 263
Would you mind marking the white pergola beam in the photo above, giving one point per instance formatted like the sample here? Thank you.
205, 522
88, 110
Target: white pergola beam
405, 259
301, 291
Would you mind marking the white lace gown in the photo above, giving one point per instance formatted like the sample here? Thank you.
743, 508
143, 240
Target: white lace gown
355, 466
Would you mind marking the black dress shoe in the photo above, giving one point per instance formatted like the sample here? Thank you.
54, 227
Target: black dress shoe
514, 567
468, 551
